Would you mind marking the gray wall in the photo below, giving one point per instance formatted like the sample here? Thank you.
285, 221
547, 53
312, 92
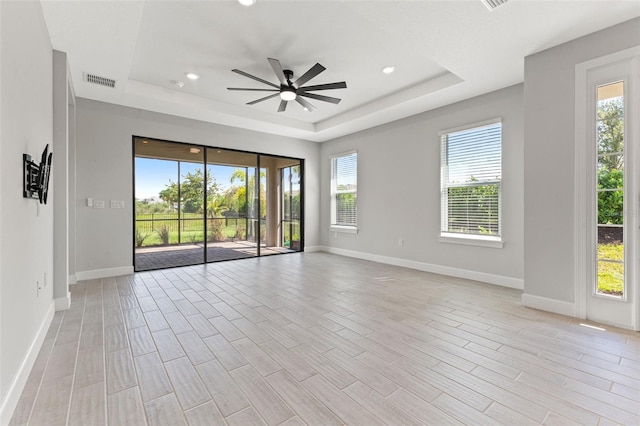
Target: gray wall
26, 229
104, 171
399, 188
549, 106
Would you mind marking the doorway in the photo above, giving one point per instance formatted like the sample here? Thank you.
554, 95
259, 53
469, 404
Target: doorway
197, 204
608, 264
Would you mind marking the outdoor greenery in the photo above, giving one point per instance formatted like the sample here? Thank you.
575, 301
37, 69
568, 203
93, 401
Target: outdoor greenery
474, 209
227, 210
610, 275
610, 139
610, 203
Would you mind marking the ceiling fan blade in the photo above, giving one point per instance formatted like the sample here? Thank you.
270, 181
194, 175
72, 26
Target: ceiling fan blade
306, 105
277, 68
252, 90
313, 71
328, 86
283, 106
256, 78
321, 97
263, 99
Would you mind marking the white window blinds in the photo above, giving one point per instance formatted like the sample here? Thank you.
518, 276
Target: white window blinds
344, 189
471, 175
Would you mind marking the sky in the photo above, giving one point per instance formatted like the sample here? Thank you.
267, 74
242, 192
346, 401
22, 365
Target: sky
152, 175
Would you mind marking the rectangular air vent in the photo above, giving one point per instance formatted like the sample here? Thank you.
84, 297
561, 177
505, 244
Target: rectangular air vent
492, 4
100, 81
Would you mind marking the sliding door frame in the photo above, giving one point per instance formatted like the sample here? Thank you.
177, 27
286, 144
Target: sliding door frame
258, 155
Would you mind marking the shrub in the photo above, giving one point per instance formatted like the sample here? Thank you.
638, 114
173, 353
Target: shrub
140, 237
163, 232
216, 230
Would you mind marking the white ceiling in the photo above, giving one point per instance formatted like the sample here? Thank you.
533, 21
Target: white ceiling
443, 51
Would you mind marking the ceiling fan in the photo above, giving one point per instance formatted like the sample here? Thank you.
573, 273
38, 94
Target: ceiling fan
292, 90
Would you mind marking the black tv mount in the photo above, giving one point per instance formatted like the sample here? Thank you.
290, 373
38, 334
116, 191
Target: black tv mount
36, 176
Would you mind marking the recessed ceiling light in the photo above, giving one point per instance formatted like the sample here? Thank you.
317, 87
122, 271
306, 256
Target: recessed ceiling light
389, 69
192, 76
145, 142
247, 2
194, 150
177, 83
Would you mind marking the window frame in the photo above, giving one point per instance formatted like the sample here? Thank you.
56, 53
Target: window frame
492, 241
333, 226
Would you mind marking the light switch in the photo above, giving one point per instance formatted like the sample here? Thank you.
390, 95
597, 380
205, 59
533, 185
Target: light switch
89, 202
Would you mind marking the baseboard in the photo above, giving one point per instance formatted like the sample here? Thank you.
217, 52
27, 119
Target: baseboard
72, 279
63, 303
104, 273
549, 305
427, 267
17, 386
313, 249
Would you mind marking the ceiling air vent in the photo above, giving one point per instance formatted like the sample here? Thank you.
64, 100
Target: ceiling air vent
100, 81
492, 4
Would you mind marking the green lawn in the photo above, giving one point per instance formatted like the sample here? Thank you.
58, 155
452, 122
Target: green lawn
191, 230
610, 275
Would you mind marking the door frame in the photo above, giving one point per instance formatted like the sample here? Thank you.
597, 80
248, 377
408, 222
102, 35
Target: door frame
584, 236
301, 162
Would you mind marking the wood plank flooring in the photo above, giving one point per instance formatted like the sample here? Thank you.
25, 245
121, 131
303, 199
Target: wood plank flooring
321, 339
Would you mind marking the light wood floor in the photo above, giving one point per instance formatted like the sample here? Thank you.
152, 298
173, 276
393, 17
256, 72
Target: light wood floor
321, 339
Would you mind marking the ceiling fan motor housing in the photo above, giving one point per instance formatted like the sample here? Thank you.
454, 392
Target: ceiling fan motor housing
288, 74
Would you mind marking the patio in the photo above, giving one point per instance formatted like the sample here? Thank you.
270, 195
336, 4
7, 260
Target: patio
149, 258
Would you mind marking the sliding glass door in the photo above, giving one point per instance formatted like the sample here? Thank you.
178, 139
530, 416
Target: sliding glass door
198, 204
230, 206
169, 204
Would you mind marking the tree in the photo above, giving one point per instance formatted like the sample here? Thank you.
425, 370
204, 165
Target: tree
610, 139
236, 197
610, 131
191, 191
170, 194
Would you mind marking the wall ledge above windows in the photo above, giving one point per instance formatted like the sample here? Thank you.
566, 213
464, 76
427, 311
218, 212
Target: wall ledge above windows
472, 240
345, 229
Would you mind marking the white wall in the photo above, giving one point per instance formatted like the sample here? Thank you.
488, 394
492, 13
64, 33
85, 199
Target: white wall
104, 238
62, 125
25, 226
399, 191
549, 104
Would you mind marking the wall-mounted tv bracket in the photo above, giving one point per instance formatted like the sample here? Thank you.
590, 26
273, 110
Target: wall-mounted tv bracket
36, 176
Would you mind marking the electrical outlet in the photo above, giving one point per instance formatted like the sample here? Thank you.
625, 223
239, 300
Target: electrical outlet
38, 288
401, 242
117, 204
98, 204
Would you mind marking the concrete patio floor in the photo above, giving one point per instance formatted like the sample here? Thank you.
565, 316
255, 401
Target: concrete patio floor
149, 258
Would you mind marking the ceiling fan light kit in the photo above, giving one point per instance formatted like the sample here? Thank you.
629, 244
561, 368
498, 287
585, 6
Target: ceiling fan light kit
287, 94
289, 90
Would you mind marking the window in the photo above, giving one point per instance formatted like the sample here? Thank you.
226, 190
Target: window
610, 189
344, 192
471, 174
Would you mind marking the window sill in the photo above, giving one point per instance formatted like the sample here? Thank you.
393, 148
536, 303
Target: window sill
345, 229
472, 240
